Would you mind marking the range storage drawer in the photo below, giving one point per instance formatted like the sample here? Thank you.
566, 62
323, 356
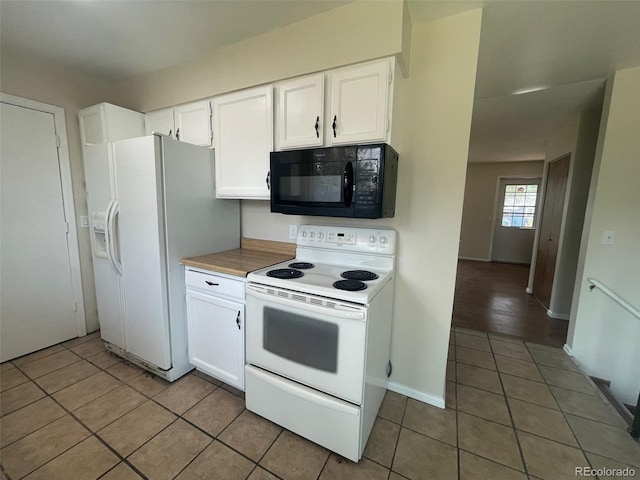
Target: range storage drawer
214, 284
321, 418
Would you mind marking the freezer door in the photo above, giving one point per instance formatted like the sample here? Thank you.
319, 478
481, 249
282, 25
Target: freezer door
140, 247
98, 167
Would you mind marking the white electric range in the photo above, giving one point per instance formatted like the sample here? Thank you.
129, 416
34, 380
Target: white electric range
318, 332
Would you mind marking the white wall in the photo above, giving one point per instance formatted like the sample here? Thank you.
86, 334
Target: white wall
39, 80
602, 336
480, 202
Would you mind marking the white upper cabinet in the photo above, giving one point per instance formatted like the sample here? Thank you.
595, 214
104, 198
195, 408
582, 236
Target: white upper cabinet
300, 112
193, 123
190, 123
160, 121
105, 122
243, 140
359, 104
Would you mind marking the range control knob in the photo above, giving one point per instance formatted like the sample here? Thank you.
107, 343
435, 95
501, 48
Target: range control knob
312, 234
304, 234
383, 239
320, 235
372, 239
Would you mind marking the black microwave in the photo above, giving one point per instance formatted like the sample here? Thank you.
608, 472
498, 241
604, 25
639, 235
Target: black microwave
357, 181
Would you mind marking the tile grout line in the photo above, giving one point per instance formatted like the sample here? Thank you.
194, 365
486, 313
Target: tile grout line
513, 423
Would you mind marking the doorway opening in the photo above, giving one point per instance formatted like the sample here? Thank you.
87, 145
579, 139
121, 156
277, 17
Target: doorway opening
492, 293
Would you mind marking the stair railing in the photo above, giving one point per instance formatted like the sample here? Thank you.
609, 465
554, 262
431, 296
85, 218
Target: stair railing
635, 426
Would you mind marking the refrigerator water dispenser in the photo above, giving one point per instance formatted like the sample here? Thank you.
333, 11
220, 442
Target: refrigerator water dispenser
98, 231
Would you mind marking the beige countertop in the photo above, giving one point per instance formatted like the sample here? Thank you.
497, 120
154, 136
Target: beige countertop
253, 255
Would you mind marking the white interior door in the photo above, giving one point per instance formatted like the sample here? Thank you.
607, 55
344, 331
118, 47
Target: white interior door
37, 307
516, 220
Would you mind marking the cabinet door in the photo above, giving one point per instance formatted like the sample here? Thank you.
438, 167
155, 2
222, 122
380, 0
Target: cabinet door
359, 98
216, 337
107, 123
243, 140
300, 113
193, 123
160, 121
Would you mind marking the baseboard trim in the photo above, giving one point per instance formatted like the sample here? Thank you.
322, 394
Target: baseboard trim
567, 349
557, 316
416, 394
475, 259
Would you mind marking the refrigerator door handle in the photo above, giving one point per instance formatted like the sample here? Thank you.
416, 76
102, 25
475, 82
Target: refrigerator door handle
111, 220
107, 234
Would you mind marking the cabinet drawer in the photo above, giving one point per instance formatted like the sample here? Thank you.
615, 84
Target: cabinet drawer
214, 284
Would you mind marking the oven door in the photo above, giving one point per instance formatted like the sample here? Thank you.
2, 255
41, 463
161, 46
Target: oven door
314, 182
312, 340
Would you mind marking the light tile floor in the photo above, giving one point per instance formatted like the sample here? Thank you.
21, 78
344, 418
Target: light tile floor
514, 411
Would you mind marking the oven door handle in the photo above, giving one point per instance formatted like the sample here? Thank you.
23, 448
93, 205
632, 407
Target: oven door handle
338, 312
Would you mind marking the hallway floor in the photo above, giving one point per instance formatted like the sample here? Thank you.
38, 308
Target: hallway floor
491, 297
515, 410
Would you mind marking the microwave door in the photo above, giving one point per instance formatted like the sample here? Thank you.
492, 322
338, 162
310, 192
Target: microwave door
305, 186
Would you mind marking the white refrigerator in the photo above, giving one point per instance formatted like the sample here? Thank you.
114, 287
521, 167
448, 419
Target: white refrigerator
151, 202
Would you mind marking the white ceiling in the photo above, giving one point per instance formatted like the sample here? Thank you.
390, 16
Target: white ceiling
565, 46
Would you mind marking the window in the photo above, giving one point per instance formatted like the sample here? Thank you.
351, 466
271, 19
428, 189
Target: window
519, 208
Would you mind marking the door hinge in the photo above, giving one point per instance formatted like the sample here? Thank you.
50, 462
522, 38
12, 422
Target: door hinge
388, 123
66, 227
75, 306
390, 74
58, 141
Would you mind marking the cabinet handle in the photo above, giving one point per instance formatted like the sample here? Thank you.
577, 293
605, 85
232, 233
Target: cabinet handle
334, 125
171, 130
317, 127
238, 320
178, 134
211, 284
267, 180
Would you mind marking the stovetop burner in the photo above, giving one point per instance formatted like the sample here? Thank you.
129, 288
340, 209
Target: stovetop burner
362, 275
349, 285
301, 265
285, 273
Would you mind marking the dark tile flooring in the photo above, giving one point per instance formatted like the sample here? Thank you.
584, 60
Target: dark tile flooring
490, 297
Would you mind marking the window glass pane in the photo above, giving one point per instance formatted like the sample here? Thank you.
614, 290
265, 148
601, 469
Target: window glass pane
519, 206
303, 340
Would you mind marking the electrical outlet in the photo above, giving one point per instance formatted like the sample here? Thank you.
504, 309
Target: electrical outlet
293, 232
84, 221
608, 237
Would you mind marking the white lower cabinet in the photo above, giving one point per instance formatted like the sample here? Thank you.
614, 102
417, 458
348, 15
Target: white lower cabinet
215, 325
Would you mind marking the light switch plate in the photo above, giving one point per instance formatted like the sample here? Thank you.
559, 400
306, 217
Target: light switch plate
84, 221
293, 232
